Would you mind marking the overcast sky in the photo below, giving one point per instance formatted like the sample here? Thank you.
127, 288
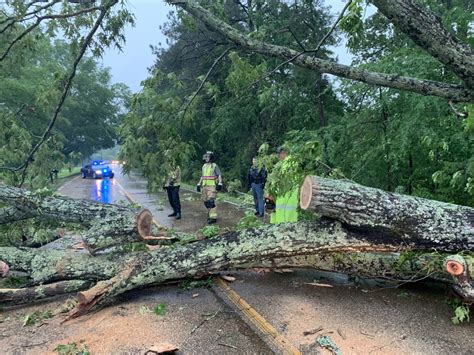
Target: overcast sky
130, 65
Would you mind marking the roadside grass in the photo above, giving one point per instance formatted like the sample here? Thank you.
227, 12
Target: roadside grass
64, 173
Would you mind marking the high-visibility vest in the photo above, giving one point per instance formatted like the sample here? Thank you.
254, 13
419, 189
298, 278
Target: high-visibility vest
208, 174
286, 209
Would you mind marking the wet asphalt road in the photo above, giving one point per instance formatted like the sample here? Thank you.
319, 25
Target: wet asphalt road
359, 319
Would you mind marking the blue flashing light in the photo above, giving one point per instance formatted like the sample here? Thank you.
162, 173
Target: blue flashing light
104, 170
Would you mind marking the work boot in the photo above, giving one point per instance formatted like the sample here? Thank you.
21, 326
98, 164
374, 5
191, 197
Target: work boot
172, 215
178, 215
211, 220
256, 213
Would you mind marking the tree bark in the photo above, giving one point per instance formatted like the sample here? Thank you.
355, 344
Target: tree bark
12, 296
324, 244
426, 29
12, 214
412, 220
109, 225
452, 92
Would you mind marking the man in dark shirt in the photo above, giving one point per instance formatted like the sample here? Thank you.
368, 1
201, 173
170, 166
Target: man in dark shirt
257, 177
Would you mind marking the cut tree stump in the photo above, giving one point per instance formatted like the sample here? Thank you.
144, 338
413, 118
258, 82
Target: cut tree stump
108, 225
404, 217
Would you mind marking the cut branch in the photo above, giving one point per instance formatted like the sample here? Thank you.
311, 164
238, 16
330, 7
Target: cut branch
453, 92
109, 224
11, 296
409, 218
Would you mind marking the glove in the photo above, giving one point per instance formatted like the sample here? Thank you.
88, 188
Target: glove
165, 187
219, 187
198, 188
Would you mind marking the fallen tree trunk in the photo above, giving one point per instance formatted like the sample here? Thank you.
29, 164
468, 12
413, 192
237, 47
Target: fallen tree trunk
412, 220
234, 250
11, 296
109, 225
11, 214
324, 245
116, 273
45, 266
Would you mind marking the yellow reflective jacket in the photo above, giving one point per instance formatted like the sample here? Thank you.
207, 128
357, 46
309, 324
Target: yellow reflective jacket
210, 174
286, 209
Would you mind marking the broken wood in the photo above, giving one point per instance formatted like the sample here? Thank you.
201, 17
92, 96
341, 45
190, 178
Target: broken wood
325, 244
411, 219
10, 296
108, 225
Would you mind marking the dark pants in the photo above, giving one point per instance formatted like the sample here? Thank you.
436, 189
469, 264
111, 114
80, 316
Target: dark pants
173, 198
257, 191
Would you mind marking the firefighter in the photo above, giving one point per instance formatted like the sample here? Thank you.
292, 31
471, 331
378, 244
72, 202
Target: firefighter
286, 209
209, 184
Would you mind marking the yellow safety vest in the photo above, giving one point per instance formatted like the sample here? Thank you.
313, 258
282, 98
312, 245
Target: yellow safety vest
208, 174
286, 209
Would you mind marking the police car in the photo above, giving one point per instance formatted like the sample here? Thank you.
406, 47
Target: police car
97, 170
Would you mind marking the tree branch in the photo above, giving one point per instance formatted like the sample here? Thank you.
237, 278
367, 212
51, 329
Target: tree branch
38, 10
426, 29
218, 59
453, 92
87, 40
38, 22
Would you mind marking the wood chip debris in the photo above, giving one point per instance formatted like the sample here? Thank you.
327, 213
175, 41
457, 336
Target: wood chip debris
261, 270
318, 284
313, 331
79, 246
195, 295
341, 334
162, 348
228, 278
4, 269
283, 271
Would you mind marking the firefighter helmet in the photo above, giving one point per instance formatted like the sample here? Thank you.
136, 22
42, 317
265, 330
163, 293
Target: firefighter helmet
208, 155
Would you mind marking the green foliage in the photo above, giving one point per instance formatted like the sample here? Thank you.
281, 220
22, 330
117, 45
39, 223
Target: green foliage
32, 79
160, 309
14, 282
35, 230
36, 317
191, 283
71, 349
461, 310
210, 231
248, 221
235, 112
233, 186
461, 314
135, 246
